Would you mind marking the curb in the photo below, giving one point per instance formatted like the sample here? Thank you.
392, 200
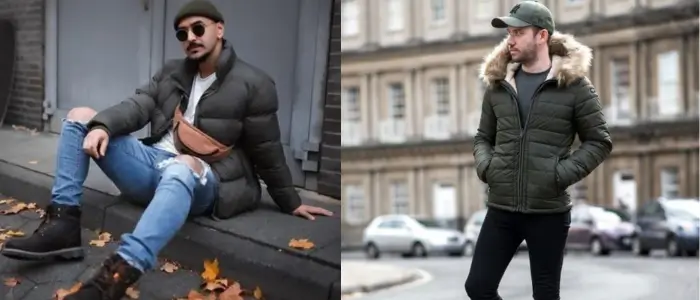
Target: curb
368, 288
252, 264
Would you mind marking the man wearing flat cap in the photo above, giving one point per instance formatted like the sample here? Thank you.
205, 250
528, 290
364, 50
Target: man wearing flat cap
537, 100
214, 130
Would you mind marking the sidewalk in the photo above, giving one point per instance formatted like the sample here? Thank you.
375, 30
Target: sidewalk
252, 248
365, 277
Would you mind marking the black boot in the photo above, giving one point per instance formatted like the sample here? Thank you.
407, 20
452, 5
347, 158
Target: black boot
58, 237
110, 282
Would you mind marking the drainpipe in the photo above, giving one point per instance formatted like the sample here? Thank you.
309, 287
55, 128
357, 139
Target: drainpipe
50, 58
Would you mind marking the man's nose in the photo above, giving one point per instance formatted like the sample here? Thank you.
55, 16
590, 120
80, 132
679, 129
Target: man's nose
191, 36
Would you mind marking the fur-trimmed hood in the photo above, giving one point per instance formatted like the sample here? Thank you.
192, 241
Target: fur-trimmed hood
571, 60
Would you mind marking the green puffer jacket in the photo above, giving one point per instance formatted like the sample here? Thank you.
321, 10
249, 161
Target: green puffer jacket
528, 169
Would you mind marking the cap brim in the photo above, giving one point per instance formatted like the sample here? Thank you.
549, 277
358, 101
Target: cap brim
505, 22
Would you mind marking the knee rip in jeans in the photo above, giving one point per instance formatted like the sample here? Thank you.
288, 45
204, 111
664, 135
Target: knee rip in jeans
198, 167
75, 121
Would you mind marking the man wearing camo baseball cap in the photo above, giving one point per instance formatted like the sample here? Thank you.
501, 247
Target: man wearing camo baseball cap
537, 101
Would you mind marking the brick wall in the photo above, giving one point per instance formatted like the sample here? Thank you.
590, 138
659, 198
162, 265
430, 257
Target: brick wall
329, 171
26, 100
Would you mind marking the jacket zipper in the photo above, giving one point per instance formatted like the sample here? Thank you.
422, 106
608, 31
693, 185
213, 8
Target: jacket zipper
523, 191
513, 97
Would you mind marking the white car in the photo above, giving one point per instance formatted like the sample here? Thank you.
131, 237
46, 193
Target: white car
472, 229
410, 237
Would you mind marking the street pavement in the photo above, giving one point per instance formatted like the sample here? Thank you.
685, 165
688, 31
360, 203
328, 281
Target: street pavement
40, 281
361, 277
620, 276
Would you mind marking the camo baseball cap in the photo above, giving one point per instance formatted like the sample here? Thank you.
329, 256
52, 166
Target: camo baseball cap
527, 13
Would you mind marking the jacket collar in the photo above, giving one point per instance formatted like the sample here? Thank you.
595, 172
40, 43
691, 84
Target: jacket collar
184, 75
571, 61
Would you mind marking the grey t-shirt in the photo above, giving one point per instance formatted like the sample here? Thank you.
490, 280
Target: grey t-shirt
526, 84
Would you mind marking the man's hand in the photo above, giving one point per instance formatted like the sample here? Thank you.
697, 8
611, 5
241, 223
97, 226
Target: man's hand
95, 143
308, 211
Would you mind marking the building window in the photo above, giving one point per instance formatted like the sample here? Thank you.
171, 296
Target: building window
395, 15
670, 186
351, 105
355, 209
668, 80
620, 88
437, 11
398, 194
397, 102
441, 96
349, 16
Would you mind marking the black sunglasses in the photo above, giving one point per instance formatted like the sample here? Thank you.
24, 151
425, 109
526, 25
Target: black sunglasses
197, 29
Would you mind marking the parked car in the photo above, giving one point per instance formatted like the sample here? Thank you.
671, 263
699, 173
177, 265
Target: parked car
598, 230
472, 229
410, 237
670, 224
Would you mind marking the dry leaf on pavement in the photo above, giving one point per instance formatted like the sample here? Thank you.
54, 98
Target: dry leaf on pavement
132, 293
62, 293
211, 270
217, 285
11, 282
233, 292
31, 205
15, 209
195, 295
102, 239
301, 244
169, 267
14, 233
7, 201
257, 293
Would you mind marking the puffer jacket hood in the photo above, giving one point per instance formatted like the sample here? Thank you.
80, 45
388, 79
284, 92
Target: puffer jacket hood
571, 60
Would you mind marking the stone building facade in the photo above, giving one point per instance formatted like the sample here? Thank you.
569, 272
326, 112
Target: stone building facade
411, 102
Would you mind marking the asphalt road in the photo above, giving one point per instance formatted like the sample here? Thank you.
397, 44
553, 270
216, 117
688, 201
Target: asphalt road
620, 276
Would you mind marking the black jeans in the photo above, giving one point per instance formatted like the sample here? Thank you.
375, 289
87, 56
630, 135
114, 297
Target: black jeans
499, 239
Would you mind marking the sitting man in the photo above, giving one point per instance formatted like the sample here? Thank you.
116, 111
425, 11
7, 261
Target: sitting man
213, 127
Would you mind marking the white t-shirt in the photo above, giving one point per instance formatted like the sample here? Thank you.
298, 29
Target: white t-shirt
198, 87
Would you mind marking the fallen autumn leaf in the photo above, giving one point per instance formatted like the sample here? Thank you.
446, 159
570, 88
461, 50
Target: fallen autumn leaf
211, 270
11, 282
233, 292
15, 209
101, 240
301, 244
257, 293
169, 267
132, 293
195, 295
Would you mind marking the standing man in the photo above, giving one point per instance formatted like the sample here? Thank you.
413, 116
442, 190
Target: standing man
214, 129
537, 100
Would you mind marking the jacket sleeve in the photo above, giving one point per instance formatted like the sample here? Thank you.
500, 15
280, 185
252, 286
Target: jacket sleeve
261, 142
593, 133
485, 137
131, 114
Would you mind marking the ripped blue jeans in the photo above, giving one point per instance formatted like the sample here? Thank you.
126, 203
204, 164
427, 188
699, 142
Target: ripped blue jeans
150, 176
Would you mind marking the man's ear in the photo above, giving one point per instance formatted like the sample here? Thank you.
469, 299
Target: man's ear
220, 30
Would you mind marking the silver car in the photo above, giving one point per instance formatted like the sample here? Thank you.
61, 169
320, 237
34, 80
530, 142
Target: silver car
410, 237
472, 229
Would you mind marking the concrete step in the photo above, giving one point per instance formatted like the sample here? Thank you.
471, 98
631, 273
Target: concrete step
251, 248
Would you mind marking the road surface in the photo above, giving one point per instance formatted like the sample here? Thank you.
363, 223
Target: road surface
619, 276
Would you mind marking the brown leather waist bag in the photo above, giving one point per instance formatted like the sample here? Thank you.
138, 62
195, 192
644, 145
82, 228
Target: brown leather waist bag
190, 140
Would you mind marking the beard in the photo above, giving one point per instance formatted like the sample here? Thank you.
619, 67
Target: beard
200, 56
525, 55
